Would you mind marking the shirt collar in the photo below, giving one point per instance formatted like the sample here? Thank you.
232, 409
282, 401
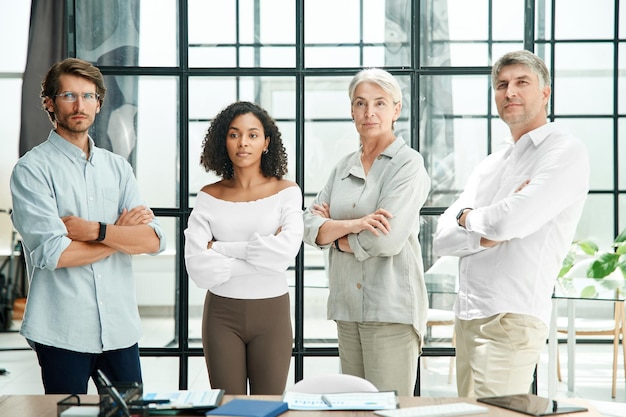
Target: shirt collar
70, 150
356, 169
540, 134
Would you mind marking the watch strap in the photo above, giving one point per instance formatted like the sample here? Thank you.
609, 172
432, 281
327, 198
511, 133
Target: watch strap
102, 233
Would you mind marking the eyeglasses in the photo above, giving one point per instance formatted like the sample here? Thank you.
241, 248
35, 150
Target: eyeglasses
71, 97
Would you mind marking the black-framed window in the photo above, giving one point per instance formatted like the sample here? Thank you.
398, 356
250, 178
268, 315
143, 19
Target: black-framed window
181, 61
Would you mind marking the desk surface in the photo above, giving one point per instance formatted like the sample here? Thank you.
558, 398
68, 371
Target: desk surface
45, 406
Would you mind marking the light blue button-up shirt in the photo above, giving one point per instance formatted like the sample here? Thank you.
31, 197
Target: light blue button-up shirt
90, 308
383, 280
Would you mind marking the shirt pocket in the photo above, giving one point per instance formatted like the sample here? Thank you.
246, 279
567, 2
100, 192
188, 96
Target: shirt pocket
110, 198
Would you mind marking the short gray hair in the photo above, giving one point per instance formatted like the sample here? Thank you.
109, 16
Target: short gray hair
380, 77
523, 57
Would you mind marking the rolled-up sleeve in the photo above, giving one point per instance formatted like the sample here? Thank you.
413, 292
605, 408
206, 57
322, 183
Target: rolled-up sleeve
35, 216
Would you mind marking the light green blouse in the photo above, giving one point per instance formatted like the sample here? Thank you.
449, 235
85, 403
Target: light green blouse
383, 281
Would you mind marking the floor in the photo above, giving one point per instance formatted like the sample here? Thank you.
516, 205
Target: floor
593, 372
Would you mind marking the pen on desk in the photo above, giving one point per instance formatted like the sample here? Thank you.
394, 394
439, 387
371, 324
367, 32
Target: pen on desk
328, 403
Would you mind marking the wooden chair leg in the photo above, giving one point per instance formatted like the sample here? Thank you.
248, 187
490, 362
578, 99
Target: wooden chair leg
619, 314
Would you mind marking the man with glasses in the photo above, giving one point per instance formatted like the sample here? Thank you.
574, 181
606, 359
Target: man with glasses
78, 210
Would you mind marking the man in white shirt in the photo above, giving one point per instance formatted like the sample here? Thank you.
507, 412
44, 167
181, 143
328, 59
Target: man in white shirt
511, 227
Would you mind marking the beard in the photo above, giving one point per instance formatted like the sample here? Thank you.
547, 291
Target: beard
67, 124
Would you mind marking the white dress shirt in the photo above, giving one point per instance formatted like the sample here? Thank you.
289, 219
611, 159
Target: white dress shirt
535, 224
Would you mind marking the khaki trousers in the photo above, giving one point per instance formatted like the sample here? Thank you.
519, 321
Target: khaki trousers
383, 353
497, 355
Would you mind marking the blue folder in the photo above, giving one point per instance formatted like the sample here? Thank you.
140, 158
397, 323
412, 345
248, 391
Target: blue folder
250, 408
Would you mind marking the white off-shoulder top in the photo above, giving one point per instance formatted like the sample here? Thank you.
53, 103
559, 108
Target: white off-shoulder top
248, 259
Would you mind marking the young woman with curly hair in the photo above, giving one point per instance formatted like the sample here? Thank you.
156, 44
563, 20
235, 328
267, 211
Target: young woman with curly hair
242, 235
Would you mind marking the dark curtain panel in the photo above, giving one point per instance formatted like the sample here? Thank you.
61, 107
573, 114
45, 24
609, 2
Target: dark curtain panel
107, 34
46, 45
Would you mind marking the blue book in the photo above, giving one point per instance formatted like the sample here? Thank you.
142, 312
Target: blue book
250, 408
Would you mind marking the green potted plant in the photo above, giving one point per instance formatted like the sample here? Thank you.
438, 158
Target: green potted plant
604, 264
601, 265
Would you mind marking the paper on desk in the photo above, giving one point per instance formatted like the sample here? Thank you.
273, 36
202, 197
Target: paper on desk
385, 400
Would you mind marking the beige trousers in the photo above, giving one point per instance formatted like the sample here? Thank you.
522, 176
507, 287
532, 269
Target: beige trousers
497, 355
383, 353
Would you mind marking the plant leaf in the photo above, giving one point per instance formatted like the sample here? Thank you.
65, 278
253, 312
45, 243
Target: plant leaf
587, 246
621, 237
568, 262
588, 292
603, 265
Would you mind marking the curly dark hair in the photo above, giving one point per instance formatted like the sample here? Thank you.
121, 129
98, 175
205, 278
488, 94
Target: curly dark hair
215, 156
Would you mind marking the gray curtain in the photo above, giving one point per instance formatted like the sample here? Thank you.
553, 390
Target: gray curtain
46, 45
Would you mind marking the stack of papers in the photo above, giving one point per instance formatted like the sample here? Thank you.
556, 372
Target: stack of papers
385, 400
176, 400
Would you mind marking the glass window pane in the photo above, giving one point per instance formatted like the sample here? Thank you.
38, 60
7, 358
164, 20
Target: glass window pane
450, 160
198, 374
272, 12
621, 146
158, 33
576, 20
321, 366
507, 22
622, 209
467, 20
212, 22
571, 73
468, 54
160, 374
621, 80
597, 134
121, 33
339, 26
156, 287
214, 56
596, 222
157, 136
318, 330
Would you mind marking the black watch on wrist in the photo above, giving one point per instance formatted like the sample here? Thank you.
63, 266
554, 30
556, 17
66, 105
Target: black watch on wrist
102, 233
460, 214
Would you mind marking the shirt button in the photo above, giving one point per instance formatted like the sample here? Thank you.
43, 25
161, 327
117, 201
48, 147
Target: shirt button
353, 205
379, 157
358, 286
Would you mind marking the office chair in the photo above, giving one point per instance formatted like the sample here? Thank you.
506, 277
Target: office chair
333, 383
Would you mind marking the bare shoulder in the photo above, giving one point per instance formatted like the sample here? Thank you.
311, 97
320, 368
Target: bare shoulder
215, 189
284, 184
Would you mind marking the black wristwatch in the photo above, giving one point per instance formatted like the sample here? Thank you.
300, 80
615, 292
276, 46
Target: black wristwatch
102, 233
460, 214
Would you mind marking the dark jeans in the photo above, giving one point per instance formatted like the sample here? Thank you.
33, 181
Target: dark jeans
67, 372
